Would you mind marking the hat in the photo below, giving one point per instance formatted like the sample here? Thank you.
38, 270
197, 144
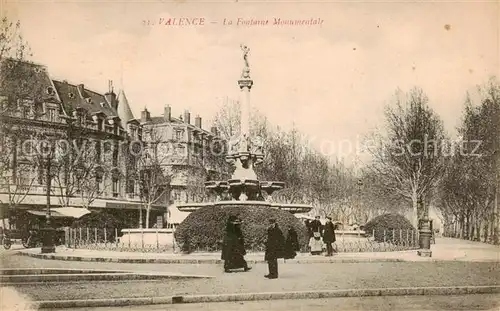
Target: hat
234, 219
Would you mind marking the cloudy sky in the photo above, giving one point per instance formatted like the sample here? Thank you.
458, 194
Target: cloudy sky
331, 80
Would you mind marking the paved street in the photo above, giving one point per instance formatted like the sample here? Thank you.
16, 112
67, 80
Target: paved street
420, 303
293, 277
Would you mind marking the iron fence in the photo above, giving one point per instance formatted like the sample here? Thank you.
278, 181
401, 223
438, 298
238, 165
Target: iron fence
111, 239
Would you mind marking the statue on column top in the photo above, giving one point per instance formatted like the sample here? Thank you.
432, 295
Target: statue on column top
246, 70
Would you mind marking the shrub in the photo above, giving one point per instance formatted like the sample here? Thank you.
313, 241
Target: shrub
204, 228
395, 228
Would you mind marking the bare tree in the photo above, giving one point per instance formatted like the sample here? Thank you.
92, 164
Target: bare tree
409, 159
154, 177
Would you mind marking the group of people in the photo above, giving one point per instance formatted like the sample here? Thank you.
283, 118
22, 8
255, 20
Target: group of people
320, 235
233, 249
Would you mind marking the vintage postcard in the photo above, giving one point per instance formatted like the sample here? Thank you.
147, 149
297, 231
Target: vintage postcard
249, 155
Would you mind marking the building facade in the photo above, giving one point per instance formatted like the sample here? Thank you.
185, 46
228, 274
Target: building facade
78, 137
189, 154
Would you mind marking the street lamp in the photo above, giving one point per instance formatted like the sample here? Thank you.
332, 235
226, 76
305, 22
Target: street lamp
48, 245
360, 184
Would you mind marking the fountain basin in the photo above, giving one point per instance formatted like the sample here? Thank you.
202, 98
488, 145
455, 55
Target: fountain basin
292, 208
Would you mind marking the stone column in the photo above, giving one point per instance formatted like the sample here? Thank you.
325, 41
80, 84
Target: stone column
245, 86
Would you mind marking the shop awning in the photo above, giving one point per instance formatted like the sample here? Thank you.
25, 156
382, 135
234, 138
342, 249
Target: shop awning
68, 212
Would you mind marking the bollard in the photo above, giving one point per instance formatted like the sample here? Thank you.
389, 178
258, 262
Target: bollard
129, 239
157, 241
142, 238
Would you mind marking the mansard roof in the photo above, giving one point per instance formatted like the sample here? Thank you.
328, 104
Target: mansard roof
73, 96
27, 80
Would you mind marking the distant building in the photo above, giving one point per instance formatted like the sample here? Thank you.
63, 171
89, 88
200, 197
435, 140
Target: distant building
190, 154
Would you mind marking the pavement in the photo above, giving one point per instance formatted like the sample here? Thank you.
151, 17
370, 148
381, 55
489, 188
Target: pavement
456, 268
387, 303
445, 249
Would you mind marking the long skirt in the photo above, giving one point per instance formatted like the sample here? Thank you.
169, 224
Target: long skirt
235, 261
316, 245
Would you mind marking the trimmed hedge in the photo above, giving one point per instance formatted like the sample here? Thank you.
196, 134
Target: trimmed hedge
204, 228
392, 228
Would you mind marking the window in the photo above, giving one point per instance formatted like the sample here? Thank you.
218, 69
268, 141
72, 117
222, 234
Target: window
51, 115
130, 186
100, 124
177, 196
115, 188
179, 134
98, 151
26, 111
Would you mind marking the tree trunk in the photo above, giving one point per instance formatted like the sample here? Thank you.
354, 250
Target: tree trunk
140, 216
486, 229
148, 211
414, 202
496, 222
462, 227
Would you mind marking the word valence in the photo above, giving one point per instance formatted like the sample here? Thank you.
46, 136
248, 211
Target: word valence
183, 21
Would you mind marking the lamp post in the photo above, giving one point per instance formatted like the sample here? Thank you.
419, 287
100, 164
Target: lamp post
425, 232
360, 184
48, 232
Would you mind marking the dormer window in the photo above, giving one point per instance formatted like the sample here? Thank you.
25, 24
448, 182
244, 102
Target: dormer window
103, 104
89, 100
50, 90
71, 95
38, 70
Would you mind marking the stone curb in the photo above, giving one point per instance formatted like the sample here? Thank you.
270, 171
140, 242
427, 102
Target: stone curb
200, 261
459, 290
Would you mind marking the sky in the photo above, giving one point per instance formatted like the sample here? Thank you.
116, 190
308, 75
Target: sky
331, 81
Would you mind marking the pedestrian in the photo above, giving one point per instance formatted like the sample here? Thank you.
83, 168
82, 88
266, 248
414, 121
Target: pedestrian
275, 246
329, 236
315, 242
291, 244
233, 247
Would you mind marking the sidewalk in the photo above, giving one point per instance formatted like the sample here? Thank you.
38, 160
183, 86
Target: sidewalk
445, 249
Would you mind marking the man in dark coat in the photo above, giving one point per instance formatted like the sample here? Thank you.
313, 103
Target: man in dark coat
275, 246
291, 244
329, 236
316, 225
233, 247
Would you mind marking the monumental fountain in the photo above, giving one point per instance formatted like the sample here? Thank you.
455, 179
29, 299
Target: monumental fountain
244, 189
245, 152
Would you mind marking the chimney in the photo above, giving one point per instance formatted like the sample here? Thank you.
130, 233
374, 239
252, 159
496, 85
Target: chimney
167, 113
197, 122
111, 96
187, 117
145, 116
214, 131
81, 89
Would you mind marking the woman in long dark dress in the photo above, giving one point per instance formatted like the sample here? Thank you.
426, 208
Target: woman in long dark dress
291, 244
233, 247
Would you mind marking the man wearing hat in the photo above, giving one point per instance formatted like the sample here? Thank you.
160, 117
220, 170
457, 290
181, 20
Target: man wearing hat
329, 236
275, 248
